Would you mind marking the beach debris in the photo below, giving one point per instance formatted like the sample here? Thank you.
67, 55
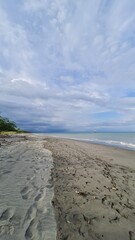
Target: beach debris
84, 194
87, 219
114, 188
104, 199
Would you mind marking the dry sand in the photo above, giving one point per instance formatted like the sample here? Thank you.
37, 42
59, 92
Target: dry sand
26, 212
94, 189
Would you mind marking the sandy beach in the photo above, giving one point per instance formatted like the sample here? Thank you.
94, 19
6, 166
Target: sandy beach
26, 212
94, 191
72, 189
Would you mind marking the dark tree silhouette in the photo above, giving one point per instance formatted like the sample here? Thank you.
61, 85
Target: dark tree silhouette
7, 125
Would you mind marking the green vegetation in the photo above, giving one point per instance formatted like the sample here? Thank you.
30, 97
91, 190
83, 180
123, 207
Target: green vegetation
8, 126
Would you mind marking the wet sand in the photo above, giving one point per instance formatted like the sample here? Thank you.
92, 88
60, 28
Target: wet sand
94, 190
26, 211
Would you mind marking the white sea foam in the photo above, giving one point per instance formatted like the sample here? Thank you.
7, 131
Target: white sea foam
122, 140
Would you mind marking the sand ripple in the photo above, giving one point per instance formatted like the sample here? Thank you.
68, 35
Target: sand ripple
26, 212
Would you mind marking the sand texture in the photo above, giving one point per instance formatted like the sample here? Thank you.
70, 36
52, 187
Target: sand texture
26, 212
94, 189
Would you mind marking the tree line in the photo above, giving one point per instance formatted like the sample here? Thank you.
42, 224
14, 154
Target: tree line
7, 125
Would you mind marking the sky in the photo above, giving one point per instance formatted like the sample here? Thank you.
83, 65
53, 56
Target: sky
68, 65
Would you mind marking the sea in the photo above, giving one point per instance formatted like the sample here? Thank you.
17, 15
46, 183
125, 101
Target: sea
118, 139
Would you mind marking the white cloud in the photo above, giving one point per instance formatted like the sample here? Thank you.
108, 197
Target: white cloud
16, 51
34, 5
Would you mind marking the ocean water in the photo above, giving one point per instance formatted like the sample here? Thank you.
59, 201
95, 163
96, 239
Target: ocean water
123, 140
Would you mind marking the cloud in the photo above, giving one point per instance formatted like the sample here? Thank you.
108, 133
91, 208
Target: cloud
63, 62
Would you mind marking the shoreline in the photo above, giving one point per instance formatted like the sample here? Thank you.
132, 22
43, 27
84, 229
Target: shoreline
112, 143
117, 153
105, 144
94, 190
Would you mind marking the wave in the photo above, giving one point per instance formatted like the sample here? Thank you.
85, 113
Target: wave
121, 144
126, 145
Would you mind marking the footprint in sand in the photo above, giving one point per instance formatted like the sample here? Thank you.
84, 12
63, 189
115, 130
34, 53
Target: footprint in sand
5, 227
26, 193
32, 231
7, 214
39, 197
32, 217
39, 201
31, 213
